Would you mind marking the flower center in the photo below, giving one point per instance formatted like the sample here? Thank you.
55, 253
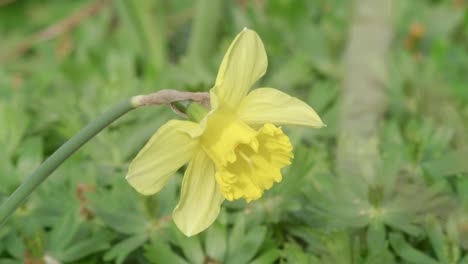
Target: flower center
248, 162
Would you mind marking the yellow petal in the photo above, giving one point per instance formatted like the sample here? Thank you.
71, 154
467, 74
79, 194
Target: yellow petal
168, 150
244, 63
267, 105
200, 198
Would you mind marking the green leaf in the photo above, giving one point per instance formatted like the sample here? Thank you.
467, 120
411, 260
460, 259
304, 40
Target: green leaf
236, 236
450, 163
292, 253
270, 256
10, 261
407, 252
9, 179
63, 232
464, 260
124, 222
30, 156
97, 242
159, 252
121, 250
3, 233
216, 241
247, 248
13, 121
339, 247
376, 237
14, 245
191, 246
378, 245
436, 236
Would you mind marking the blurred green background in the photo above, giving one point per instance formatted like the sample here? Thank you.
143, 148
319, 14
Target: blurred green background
403, 200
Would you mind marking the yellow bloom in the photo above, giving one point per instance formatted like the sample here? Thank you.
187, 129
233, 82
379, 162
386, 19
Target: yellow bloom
236, 151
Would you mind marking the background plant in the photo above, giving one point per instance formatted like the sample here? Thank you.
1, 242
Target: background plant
64, 62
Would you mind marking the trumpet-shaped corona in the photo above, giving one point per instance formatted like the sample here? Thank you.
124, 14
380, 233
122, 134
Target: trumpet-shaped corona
247, 161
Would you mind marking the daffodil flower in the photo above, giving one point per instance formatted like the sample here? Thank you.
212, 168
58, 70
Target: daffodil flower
235, 151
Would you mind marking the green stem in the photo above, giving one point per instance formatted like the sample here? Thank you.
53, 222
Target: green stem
181, 106
59, 156
206, 23
195, 112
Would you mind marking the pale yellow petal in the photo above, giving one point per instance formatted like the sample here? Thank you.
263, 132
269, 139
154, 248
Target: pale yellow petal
200, 198
267, 105
168, 150
244, 63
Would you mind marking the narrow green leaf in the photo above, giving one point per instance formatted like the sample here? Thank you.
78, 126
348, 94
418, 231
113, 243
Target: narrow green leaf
14, 122
86, 247
236, 236
294, 254
407, 252
159, 252
14, 245
10, 261
270, 256
464, 260
376, 240
63, 232
191, 247
377, 245
3, 234
30, 156
248, 246
123, 222
216, 242
121, 250
436, 236
449, 164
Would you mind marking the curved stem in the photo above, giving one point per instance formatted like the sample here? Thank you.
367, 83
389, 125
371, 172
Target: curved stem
59, 156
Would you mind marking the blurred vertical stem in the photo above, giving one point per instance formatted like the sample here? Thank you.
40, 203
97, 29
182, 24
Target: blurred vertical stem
364, 97
149, 28
205, 26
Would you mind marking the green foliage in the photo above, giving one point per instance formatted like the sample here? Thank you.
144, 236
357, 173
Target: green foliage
412, 209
